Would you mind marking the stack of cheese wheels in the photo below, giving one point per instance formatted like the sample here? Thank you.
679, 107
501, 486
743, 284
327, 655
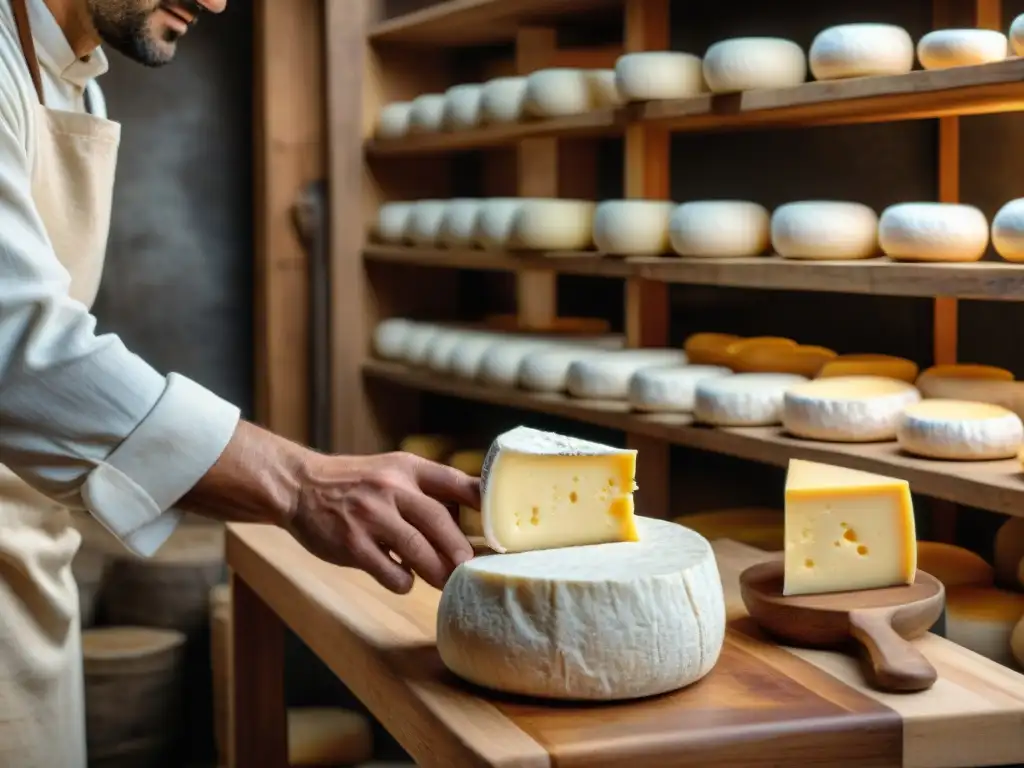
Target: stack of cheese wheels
651, 75
1008, 230
471, 462
632, 227
960, 429
777, 358
525, 623
552, 225
462, 107
720, 229
825, 230
503, 100
743, 400
1008, 553
751, 63
393, 222
861, 50
458, 223
393, 121
754, 526
983, 619
434, 448
848, 408
709, 348
946, 48
606, 377
939, 232
424, 225
427, 113
671, 389
954, 566
888, 366
977, 383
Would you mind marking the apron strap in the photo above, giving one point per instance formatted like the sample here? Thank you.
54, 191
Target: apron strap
28, 45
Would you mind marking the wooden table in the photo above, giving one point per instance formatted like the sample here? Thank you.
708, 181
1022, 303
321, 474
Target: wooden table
762, 705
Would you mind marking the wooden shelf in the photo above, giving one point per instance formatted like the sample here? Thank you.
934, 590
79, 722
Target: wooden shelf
986, 280
971, 90
992, 485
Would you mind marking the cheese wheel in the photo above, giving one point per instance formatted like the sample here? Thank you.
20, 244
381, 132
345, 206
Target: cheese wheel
1009, 394
462, 107
393, 221
1008, 230
319, 736
952, 565
418, 342
494, 222
669, 390
958, 429
553, 225
708, 348
802, 360
632, 227
604, 90
606, 377
825, 230
651, 75
439, 350
946, 48
557, 92
849, 409
393, 122
599, 622
968, 371
743, 400
1017, 644
1017, 35
434, 448
755, 526
424, 226
500, 363
503, 100
1008, 553
983, 619
427, 113
391, 338
861, 50
720, 229
547, 370
750, 63
458, 223
942, 232
732, 352
886, 366
466, 357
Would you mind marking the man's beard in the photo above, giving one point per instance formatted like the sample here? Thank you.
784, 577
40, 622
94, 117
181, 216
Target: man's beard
124, 26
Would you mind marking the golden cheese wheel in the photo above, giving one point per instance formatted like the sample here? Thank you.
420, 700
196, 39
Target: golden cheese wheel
434, 448
756, 526
771, 358
708, 348
969, 371
886, 366
954, 566
1008, 554
584, 326
982, 619
733, 352
320, 736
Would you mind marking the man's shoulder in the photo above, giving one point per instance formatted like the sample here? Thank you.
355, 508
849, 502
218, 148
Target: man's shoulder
14, 78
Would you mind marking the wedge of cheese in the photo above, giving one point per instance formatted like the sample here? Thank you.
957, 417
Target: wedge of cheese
540, 490
846, 530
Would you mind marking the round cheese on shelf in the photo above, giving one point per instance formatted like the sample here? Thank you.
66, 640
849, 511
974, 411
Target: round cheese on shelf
1008, 553
458, 223
983, 619
465, 358
552, 225
557, 92
720, 229
319, 736
462, 107
751, 63
887, 366
418, 342
439, 350
1017, 35
393, 221
743, 400
968, 371
861, 50
494, 222
604, 90
503, 100
848, 409
1009, 394
434, 448
599, 622
709, 348
952, 565
946, 48
943, 232
500, 364
393, 122
959, 429
391, 338
652, 75
802, 360
547, 370
825, 230
754, 526
427, 113
1008, 230
632, 227
606, 377
669, 390
424, 226
730, 356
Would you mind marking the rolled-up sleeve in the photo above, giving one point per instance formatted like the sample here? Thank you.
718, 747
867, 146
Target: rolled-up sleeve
82, 419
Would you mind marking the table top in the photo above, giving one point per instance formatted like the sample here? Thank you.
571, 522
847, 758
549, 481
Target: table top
763, 704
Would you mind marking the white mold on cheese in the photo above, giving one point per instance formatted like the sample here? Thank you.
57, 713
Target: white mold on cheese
632, 227
653, 75
946, 48
670, 390
462, 110
752, 63
393, 122
427, 113
960, 430
848, 408
861, 50
503, 100
606, 377
825, 230
743, 400
393, 221
941, 232
1008, 230
552, 225
720, 229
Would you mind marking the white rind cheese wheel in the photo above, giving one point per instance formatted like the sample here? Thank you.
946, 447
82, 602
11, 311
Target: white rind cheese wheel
669, 390
393, 222
861, 50
547, 370
494, 222
959, 429
604, 91
500, 364
946, 48
1017, 35
941, 232
424, 226
462, 107
1009, 394
825, 230
427, 113
1008, 230
848, 409
418, 342
391, 338
983, 619
1008, 553
503, 100
632, 227
743, 400
393, 122
557, 92
466, 358
606, 377
441, 347
601, 622
720, 229
458, 223
553, 225
653, 75
751, 63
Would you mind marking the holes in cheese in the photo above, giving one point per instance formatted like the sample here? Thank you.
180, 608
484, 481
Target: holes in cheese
959, 429
743, 400
1008, 230
390, 338
458, 223
1008, 553
846, 530
669, 390
848, 409
757, 527
886, 366
708, 348
824, 230
606, 377
946, 48
952, 565
651, 75
632, 227
393, 122
424, 225
941, 232
861, 50
503, 100
427, 113
553, 225
392, 221
983, 619
540, 490
720, 229
557, 92
604, 622
751, 63
801, 360
462, 107
435, 448
968, 371
319, 736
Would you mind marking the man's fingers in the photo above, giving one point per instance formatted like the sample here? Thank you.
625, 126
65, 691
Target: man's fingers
435, 521
368, 556
415, 551
448, 484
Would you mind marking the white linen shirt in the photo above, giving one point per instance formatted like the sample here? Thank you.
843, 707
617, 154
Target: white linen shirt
82, 419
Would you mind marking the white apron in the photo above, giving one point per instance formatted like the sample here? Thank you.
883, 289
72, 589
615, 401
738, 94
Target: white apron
42, 710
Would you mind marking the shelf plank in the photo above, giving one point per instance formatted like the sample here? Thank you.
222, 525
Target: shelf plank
992, 485
984, 280
985, 88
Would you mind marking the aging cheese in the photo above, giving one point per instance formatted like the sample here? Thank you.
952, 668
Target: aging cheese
967, 371
861, 50
983, 619
960, 429
393, 122
743, 400
601, 622
1009, 394
458, 223
434, 448
607, 377
427, 113
709, 348
547, 370
946, 48
466, 357
750, 63
1008, 553
424, 226
825, 230
503, 100
500, 363
553, 225
557, 92
462, 107
803, 360
757, 527
846, 530
952, 565
440, 348
1017, 35
418, 343
941, 232
651, 75
471, 462
494, 222
391, 338
848, 409
632, 227
1008, 230
718, 229
540, 490
737, 348
392, 221
319, 736
669, 390
887, 366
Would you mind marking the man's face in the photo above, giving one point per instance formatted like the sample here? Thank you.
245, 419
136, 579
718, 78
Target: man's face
147, 30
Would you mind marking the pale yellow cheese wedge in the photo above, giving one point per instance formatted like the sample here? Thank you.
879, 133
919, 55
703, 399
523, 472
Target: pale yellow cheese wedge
886, 366
982, 619
954, 566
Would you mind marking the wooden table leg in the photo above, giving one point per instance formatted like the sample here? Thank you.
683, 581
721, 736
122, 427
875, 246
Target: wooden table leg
258, 714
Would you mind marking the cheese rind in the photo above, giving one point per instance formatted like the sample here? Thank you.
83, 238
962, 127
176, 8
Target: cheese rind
424, 226
1009, 394
606, 377
944, 48
458, 223
846, 530
632, 227
393, 122
982, 619
650, 75
887, 366
709, 348
968, 371
720, 229
743, 400
1008, 229
494, 221
500, 363
751, 63
669, 390
960, 430
462, 107
557, 92
427, 113
603, 622
848, 409
391, 338
938, 232
540, 490
825, 230
861, 50
552, 225
503, 100
801, 360
952, 565
418, 342
466, 357
392, 221
547, 370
